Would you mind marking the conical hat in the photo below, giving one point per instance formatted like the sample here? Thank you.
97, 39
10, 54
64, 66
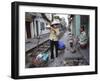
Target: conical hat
48, 26
55, 22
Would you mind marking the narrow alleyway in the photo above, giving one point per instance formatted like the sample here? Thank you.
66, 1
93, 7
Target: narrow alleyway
32, 43
37, 45
66, 58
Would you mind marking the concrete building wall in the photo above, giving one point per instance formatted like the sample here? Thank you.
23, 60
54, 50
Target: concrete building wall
73, 26
76, 25
32, 30
40, 31
36, 24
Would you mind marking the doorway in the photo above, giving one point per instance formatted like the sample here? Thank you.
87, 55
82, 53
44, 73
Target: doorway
28, 30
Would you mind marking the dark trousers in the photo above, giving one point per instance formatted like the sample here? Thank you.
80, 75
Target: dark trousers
53, 44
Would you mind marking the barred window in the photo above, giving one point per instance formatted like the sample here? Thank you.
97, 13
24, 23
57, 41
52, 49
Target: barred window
42, 25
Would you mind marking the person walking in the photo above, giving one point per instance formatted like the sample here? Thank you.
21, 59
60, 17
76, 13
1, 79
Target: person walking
54, 36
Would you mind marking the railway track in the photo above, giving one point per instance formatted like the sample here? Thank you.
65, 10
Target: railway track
43, 47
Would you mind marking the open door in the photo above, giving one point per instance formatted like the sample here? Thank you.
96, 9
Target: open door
28, 30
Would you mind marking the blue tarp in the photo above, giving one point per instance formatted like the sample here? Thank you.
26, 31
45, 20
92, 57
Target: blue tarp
45, 57
61, 45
